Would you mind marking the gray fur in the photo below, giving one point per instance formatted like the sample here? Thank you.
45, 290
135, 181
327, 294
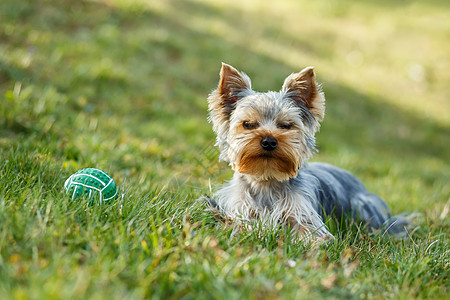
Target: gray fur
328, 190
338, 193
307, 193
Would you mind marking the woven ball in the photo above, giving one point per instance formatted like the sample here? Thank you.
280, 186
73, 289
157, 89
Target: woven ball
91, 183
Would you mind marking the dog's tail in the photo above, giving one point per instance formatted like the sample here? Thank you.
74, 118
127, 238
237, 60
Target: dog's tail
373, 210
399, 225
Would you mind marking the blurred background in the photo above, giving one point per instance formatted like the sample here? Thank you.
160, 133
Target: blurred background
122, 85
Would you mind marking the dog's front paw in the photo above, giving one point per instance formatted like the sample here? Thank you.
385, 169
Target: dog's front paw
321, 240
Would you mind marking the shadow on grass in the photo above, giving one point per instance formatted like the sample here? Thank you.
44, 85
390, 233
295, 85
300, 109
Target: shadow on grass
149, 72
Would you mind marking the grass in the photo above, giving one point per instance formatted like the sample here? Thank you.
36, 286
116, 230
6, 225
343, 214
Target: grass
121, 85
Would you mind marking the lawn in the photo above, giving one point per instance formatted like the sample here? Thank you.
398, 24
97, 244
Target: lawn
121, 85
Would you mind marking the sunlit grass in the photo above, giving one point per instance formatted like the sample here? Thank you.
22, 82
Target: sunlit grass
121, 85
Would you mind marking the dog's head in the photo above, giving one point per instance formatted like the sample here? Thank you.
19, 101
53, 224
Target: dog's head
266, 135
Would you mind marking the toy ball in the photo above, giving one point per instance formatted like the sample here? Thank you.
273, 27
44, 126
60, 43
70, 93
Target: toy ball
91, 183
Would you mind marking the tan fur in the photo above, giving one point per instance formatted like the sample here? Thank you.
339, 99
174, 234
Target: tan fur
271, 185
305, 86
281, 164
300, 105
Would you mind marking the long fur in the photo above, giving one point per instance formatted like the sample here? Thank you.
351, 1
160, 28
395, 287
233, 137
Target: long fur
279, 187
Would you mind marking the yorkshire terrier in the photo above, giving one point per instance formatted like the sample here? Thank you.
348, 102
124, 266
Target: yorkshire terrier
267, 139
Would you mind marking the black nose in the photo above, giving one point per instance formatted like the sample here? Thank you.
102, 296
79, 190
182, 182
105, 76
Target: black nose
269, 143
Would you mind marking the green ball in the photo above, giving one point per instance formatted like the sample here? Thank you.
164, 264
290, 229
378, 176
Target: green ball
91, 183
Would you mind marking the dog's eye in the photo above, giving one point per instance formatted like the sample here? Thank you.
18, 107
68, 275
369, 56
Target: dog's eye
284, 125
249, 125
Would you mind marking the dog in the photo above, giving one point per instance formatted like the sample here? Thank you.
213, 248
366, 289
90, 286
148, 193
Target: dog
267, 138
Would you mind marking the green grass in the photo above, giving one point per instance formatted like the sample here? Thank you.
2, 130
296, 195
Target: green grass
121, 85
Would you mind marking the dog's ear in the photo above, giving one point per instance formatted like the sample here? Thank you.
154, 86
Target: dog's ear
302, 88
233, 85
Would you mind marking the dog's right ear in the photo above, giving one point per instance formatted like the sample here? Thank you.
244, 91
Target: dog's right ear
233, 85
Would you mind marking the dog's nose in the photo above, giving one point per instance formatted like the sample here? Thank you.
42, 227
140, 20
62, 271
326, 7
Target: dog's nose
269, 143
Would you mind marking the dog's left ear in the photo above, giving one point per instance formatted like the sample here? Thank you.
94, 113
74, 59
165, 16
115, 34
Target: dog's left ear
302, 88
